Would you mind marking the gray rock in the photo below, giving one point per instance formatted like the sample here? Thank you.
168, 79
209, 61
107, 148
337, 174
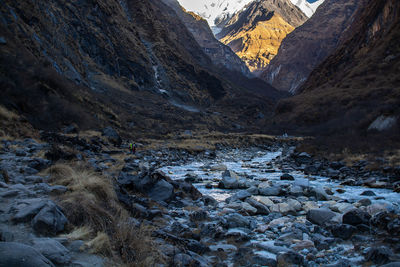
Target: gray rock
237, 220
356, 217
3, 40
196, 246
343, 231
320, 216
181, 260
39, 163
20, 255
287, 177
303, 158
290, 206
290, 258
28, 170
76, 245
253, 190
33, 179
230, 180
379, 255
20, 153
260, 260
53, 250
162, 191
218, 167
238, 235
261, 208
363, 202
392, 264
199, 215
58, 189
296, 190
112, 136
27, 209
241, 195
6, 234
270, 191
368, 193
319, 193
9, 193
50, 220
271, 247
209, 201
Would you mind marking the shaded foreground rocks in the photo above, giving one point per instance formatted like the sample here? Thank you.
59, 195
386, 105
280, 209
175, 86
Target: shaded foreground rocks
16, 254
320, 216
257, 218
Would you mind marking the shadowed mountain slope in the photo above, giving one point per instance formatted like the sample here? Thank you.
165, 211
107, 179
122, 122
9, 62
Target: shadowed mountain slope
130, 64
356, 90
308, 45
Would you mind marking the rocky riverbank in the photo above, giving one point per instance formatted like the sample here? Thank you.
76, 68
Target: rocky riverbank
264, 206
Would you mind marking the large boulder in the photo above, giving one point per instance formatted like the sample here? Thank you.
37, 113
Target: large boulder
356, 217
290, 206
53, 250
320, 216
379, 255
261, 208
50, 220
230, 180
112, 136
343, 231
237, 220
318, 192
265, 189
25, 210
162, 191
20, 255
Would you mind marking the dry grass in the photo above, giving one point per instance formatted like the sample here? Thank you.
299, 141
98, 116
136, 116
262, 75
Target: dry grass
393, 157
7, 114
90, 199
201, 141
79, 233
92, 207
128, 238
101, 244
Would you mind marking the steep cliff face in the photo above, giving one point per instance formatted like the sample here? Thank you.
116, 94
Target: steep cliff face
221, 54
131, 64
256, 32
356, 89
308, 45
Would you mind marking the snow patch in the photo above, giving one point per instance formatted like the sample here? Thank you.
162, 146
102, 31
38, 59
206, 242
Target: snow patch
214, 10
307, 7
383, 123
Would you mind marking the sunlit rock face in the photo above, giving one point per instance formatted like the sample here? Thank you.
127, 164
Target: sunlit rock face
256, 33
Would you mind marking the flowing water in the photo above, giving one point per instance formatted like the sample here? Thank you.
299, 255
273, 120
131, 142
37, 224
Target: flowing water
258, 166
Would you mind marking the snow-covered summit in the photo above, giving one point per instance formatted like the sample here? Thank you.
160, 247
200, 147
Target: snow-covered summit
214, 11
307, 6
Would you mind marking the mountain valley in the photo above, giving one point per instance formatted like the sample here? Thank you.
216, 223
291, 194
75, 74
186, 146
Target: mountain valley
200, 133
